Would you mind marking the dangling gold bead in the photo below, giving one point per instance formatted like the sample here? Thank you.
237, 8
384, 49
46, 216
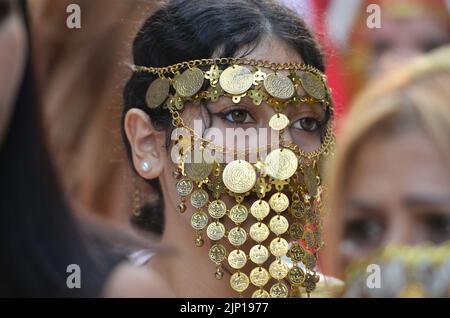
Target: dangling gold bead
182, 207
199, 241
176, 174
219, 274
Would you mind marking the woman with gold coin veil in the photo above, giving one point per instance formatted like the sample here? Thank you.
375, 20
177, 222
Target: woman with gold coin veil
228, 114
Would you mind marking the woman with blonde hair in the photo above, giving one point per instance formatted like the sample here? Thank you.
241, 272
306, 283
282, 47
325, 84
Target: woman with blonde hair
390, 182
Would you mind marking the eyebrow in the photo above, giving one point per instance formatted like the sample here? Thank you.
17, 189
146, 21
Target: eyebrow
427, 200
365, 207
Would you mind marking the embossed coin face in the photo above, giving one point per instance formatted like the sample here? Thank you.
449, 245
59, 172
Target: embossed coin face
297, 209
259, 232
239, 282
237, 236
279, 202
199, 167
279, 122
311, 182
279, 247
279, 225
239, 176
278, 269
199, 198
279, 86
236, 80
157, 92
296, 276
189, 82
237, 259
184, 187
279, 290
260, 209
296, 252
296, 231
259, 277
199, 220
217, 209
260, 293
238, 213
215, 231
312, 85
217, 253
309, 260
281, 164
259, 254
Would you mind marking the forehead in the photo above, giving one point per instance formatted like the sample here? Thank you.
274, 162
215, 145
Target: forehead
401, 165
275, 50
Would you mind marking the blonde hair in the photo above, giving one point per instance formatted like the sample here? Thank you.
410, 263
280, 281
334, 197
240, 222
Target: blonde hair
414, 97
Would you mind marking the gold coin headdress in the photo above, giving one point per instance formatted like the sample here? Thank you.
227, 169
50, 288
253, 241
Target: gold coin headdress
272, 246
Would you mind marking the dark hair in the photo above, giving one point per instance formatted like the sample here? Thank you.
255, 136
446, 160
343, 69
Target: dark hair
39, 237
184, 30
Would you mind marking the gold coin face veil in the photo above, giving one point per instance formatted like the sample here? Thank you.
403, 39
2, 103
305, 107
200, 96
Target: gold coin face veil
262, 218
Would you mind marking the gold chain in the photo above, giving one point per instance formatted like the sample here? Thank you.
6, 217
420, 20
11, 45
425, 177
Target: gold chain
174, 69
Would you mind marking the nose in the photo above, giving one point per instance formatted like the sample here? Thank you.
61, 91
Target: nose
401, 229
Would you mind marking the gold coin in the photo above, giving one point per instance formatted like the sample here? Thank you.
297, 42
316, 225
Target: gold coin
199, 167
279, 202
189, 82
260, 293
279, 86
279, 225
311, 182
310, 261
236, 80
279, 122
278, 269
259, 277
296, 252
184, 187
281, 164
217, 209
259, 254
260, 209
239, 176
238, 213
296, 231
239, 282
215, 231
237, 259
279, 247
157, 92
279, 290
308, 236
199, 198
297, 209
199, 220
259, 232
312, 85
217, 253
296, 276
237, 236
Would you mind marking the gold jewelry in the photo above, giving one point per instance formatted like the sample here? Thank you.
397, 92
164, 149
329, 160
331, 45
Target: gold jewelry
284, 220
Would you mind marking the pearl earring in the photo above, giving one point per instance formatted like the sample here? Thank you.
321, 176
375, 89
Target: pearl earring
146, 166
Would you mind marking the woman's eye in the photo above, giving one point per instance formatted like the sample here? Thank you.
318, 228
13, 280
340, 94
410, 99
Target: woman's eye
309, 124
438, 227
363, 232
238, 116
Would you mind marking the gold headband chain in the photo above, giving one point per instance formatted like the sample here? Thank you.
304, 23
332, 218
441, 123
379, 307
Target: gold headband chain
237, 82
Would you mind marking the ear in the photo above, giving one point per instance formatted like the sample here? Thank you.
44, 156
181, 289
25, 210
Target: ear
147, 144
